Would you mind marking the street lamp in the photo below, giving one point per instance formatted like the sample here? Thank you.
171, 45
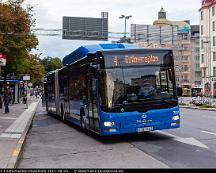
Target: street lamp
125, 17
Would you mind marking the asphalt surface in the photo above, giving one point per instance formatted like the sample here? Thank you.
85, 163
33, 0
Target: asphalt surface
53, 144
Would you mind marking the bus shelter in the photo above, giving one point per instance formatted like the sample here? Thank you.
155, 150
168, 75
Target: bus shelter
15, 86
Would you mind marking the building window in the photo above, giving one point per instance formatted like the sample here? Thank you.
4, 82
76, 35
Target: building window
197, 58
213, 38
197, 66
214, 56
201, 29
186, 47
202, 44
201, 15
213, 26
185, 79
185, 37
214, 71
185, 68
185, 58
204, 72
213, 11
202, 59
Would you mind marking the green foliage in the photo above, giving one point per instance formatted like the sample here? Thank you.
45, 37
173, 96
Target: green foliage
207, 106
51, 64
16, 40
182, 104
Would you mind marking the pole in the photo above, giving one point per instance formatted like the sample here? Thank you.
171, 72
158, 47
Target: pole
5, 80
125, 27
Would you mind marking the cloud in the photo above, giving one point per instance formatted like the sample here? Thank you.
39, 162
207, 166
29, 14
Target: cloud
49, 13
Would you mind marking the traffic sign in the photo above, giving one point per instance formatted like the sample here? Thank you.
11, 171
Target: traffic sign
86, 28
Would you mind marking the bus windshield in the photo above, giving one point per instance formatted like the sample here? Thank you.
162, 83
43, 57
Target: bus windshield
129, 84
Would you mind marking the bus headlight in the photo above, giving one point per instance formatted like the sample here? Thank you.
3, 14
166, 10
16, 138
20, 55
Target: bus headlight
175, 118
109, 124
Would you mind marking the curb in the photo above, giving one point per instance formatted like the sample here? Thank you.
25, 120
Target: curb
13, 163
206, 109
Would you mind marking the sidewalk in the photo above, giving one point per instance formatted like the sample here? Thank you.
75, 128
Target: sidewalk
198, 108
187, 100
14, 127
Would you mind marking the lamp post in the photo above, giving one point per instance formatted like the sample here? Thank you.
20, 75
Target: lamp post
125, 17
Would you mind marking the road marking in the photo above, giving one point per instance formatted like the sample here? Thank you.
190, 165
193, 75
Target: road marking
7, 118
9, 135
16, 152
189, 141
211, 133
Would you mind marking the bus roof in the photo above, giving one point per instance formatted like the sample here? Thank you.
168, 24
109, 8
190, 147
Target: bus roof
136, 50
84, 50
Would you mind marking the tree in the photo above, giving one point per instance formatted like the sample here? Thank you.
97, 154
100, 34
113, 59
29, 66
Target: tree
16, 39
51, 64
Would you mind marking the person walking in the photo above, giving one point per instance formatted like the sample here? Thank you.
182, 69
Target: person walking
7, 101
1, 100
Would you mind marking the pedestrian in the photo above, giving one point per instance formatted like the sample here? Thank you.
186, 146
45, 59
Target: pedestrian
7, 101
1, 100
25, 99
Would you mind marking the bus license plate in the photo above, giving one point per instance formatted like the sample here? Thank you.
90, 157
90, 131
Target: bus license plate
145, 129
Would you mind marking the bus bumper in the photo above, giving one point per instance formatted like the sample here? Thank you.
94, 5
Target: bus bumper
136, 122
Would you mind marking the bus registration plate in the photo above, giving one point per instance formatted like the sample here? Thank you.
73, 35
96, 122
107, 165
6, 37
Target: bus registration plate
145, 129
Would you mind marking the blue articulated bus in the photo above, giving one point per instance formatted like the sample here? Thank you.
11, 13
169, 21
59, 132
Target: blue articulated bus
114, 89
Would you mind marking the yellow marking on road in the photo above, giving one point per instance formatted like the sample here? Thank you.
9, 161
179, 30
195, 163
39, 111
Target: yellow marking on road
21, 141
16, 152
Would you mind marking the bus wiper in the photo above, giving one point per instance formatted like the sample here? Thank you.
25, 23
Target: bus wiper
161, 99
165, 101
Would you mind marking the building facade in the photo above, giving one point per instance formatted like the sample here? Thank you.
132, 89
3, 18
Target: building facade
197, 74
170, 34
208, 46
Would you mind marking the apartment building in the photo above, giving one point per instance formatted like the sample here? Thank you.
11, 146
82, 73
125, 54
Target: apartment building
208, 46
170, 34
197, 75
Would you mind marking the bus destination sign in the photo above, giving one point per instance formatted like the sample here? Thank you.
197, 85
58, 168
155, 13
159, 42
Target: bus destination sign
127, 60
136, 59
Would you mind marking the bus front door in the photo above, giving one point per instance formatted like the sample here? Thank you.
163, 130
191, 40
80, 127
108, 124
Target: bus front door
92, 116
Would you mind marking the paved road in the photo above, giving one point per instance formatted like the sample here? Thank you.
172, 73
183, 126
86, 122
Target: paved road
52, 144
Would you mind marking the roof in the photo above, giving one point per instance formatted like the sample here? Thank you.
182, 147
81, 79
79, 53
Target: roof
162, 22
82, 51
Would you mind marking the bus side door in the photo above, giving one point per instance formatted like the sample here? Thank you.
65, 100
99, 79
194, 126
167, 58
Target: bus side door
93, 117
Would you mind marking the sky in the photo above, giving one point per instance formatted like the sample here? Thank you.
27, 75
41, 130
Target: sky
49, 14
